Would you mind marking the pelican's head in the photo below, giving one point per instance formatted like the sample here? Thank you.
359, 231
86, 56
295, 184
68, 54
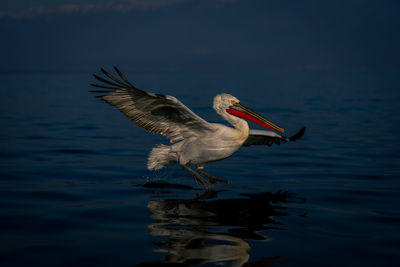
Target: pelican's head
228, 104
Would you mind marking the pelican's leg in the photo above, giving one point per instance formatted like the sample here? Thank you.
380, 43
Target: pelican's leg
213, 179
197, 177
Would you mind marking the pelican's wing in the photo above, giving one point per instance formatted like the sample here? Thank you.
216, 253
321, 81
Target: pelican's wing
156, 113
260, 137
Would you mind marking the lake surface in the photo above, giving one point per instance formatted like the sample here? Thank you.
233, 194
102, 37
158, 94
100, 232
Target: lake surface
74, 188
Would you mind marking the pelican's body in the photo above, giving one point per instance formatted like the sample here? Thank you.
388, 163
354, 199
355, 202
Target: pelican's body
196, 141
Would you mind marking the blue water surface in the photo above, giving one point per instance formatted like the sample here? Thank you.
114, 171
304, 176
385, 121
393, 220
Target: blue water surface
74, 188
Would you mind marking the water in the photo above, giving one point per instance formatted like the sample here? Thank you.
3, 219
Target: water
73, 171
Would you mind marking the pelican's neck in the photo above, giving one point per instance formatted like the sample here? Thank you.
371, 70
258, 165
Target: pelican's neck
240, 124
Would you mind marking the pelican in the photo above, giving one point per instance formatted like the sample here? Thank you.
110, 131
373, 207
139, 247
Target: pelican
196, 142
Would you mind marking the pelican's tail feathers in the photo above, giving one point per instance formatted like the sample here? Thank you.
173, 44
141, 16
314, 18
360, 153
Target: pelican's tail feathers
160, 157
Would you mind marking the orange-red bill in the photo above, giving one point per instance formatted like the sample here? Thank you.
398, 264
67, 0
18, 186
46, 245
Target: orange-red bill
244, 112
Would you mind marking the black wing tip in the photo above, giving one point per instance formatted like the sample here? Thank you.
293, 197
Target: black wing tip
124, 83
116, 69
298, 135
112, 80
123, 77
112, 88
113, 83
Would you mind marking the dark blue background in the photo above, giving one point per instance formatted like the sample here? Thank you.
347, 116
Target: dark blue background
73, 168
182, 35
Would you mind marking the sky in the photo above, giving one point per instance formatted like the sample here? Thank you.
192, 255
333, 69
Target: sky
200, 35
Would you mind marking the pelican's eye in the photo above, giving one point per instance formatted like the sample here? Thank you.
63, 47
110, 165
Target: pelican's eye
233, 101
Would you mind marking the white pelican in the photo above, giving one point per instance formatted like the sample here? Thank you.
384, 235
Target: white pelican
197, 141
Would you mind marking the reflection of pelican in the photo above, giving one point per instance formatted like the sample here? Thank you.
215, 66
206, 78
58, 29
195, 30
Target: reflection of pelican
196, 229
201, 141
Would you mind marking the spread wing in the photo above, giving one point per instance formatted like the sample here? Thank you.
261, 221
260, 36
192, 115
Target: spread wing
156, 113
260, 137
